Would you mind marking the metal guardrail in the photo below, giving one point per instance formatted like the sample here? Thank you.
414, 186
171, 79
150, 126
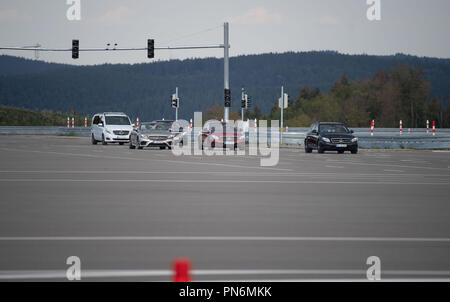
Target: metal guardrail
383, 138
46, 130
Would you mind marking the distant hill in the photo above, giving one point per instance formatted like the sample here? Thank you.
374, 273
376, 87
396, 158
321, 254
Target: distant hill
144, 90
10, 116
14, 65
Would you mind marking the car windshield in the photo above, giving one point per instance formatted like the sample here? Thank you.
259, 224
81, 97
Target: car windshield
333, 128
147, 127
222, 127
117, 120
157, 126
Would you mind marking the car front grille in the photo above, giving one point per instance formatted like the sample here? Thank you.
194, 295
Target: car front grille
157, 138
121, 132
341, 140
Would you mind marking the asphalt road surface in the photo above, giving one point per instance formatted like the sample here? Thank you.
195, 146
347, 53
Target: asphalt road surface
127, 214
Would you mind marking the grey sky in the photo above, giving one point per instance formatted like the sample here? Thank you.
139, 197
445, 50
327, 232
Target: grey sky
415, 27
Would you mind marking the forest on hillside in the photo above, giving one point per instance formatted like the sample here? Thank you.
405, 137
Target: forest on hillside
402, 94
144, 90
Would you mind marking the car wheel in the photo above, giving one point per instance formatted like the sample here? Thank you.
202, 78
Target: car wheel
103, 140
340, 151
131, 145
308, 150
162, 148
354, 151
121, 144
320, 149
94, 142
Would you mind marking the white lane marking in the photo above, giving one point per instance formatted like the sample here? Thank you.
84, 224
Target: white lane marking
224, 238
231, 181
327, 280
334, 166
388, 165
386, 170
309, 174
56, 274
148, 159
441, 151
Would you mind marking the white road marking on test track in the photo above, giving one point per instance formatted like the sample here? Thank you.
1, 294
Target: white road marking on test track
224, 238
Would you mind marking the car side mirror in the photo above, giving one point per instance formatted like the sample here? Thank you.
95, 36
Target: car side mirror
100, 124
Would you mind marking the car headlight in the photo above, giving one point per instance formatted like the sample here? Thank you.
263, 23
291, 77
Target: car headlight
143, 136
171, 136
326, 139
355, 139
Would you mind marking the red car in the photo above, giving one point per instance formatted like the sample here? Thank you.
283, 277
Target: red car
221, 135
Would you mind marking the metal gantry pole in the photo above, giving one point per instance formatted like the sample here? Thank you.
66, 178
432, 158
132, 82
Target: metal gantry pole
226, 71
225, 46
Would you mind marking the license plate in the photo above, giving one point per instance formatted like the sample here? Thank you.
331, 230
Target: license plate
341, 145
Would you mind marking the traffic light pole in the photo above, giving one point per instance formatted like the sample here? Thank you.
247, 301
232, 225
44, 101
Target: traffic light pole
242, 108
226, 71
282, 109
178, 100
226, 58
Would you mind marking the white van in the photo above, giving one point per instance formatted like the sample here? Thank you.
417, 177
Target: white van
111, 127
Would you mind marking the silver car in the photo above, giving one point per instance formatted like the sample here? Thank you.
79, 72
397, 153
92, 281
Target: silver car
155, 134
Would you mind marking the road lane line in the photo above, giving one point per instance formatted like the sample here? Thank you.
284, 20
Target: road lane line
56, 274
148, 159
225, 238
223, 181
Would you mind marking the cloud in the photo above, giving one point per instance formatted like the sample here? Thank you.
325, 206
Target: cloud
258, 15
329, 20
116, 16
12, 15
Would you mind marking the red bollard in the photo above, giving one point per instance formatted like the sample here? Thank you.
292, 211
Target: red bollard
181, 268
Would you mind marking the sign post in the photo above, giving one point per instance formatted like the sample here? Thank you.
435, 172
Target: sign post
282, 103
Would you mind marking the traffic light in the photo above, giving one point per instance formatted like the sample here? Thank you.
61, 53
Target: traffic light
245, 102
175, 102
75, 49
150, 48
227, 98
